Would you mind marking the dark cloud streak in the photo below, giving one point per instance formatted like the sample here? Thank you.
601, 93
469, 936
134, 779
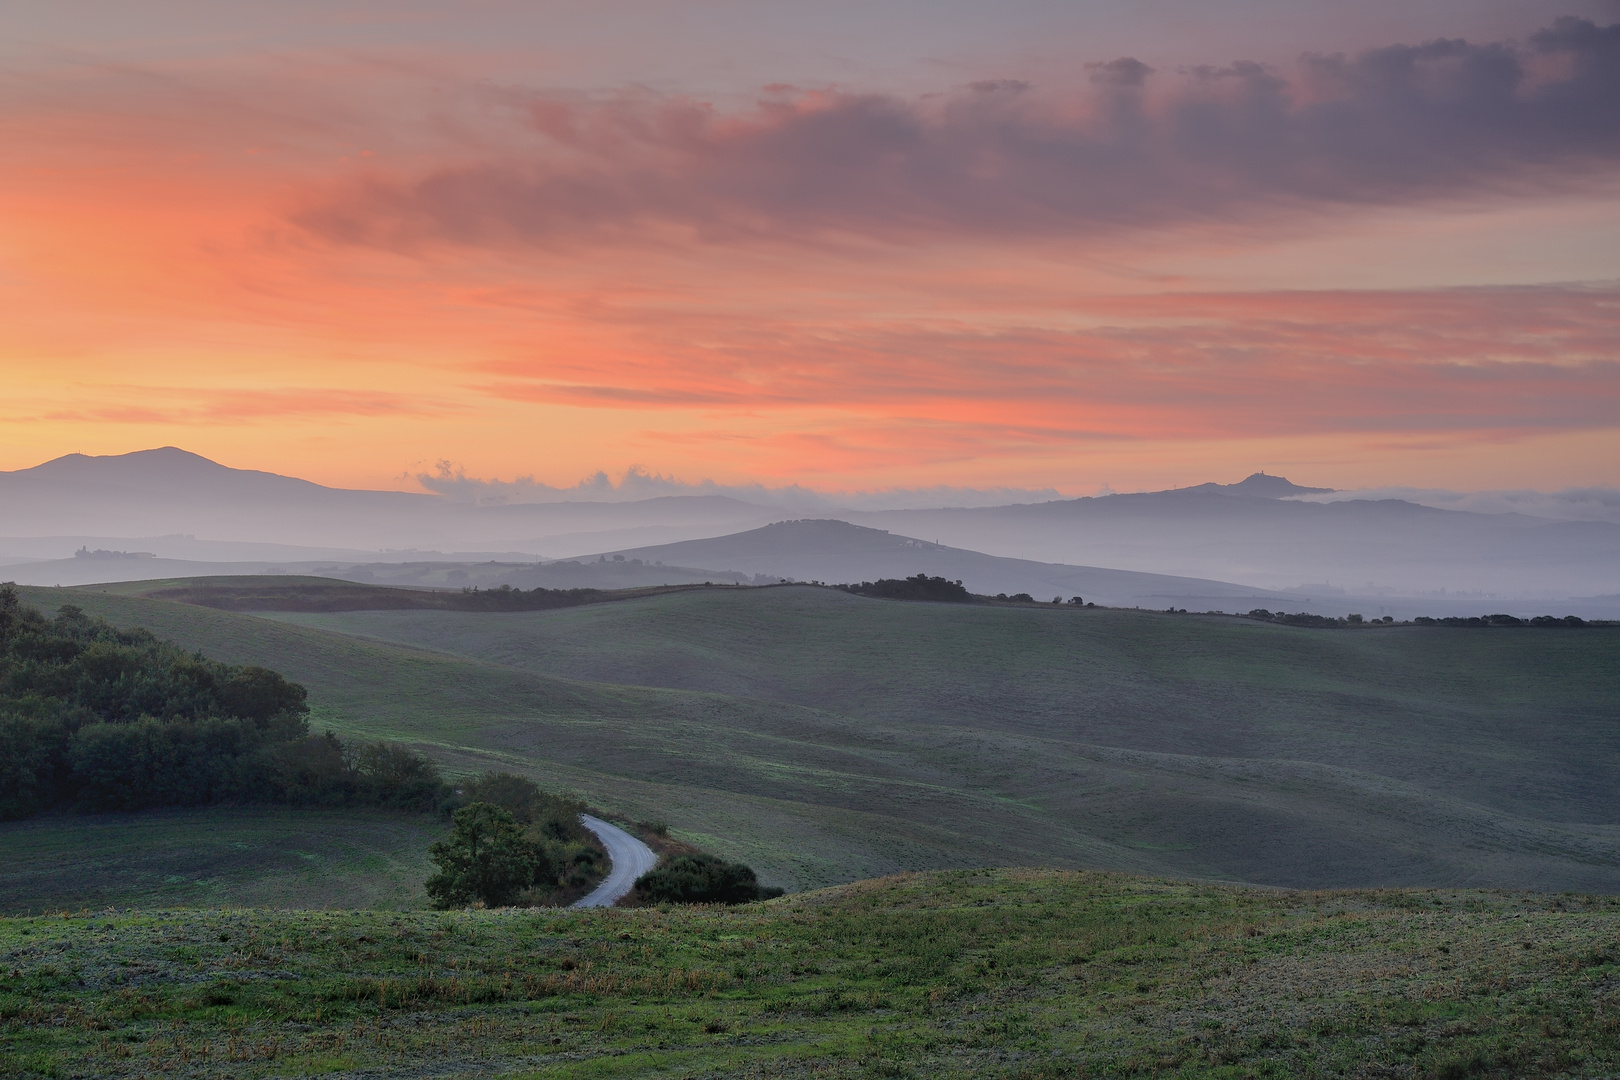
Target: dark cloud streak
1396, 125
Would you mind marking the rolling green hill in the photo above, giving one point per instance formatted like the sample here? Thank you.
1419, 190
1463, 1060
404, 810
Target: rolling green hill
959, 974
824, 737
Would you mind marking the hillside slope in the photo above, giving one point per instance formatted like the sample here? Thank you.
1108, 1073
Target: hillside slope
824, 737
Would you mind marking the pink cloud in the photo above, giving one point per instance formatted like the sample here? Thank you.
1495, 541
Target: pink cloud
1484, 360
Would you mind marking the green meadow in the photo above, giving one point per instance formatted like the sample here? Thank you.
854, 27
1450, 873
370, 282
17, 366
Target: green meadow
216, 857
1223, 810
985, 973
825, 738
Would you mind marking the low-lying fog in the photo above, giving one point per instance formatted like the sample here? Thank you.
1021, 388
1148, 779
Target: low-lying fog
167, 513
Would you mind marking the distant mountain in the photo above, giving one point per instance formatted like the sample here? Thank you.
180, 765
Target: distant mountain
1264, 531
171, 491
837, 551
1259, 531
1257, 485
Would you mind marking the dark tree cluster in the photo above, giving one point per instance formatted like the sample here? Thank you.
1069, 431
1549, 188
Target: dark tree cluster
509, 598
919, 587
98, 718
1500, 620
701, 878
511, 844
1329, 622
1302, 618
349, 596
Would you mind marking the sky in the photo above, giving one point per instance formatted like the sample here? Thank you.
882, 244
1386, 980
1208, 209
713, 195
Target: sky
1077, 246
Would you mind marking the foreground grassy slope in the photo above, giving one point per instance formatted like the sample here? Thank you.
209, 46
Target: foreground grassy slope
216, 857
825, 737
976, 973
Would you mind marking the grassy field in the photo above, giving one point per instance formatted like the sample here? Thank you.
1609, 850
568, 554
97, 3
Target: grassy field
1455, 703
824, 737
216, 857
971, 973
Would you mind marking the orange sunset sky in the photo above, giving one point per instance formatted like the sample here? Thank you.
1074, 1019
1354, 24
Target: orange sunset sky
1026, 244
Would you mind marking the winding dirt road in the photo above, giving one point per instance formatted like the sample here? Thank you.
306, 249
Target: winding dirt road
631, 858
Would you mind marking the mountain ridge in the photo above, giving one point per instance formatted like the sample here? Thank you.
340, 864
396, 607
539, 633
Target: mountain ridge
1263, 531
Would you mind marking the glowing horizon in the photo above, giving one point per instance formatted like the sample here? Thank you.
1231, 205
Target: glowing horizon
346, 255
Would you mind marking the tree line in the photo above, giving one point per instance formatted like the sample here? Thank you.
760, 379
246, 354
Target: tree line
1329, 622
325, 596
97, 718
918, 587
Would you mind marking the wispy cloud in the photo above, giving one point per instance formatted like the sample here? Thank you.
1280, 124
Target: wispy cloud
1189, 366
145, 405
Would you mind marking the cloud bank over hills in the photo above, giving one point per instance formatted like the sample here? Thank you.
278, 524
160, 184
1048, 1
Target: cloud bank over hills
1570, 504
637, 483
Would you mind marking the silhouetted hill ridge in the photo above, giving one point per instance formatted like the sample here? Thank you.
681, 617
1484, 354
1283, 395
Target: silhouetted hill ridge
1256, 485
172, 491
836, 551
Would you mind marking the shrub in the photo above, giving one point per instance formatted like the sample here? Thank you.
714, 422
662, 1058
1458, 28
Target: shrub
516, 795
701, 879
395, 776
550, 817
316, 771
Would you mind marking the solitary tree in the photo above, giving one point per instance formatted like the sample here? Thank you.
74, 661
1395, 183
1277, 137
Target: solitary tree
485, 857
